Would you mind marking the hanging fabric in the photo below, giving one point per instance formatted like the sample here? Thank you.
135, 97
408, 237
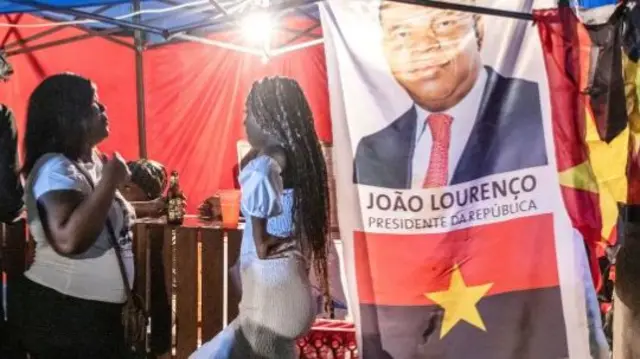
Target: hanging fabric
605, 87
631, 33
566, 48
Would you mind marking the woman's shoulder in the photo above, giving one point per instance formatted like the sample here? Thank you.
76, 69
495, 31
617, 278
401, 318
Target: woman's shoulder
54, 171
262, 164
53, 163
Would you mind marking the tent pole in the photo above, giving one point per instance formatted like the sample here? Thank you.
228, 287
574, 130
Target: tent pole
470, 8
92, 16
285, 5
42, 46
138, 42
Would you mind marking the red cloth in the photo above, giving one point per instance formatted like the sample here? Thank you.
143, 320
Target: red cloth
438, 171
109, 65
566, 47
194, 97
195, 107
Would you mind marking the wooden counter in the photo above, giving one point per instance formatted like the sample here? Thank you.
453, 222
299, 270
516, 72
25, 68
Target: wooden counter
185, 267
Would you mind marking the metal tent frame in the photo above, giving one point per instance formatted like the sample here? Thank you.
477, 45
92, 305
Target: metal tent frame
180, 21
203, 18
209, 16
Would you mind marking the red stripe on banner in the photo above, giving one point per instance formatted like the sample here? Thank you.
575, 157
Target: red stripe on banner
398, 269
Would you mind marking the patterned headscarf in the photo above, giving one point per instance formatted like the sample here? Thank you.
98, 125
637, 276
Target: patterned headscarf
150, 176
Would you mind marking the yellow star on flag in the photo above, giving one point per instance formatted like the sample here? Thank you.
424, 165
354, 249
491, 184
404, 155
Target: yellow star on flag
579, 177
609, 165
603, 174
459, 302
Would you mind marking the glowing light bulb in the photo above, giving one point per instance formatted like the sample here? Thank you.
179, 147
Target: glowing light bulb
257, 28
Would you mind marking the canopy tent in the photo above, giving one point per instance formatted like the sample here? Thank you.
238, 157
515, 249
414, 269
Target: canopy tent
194, 94
152, 23
188, 99
165, 21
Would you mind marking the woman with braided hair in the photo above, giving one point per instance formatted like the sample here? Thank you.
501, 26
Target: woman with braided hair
286, 204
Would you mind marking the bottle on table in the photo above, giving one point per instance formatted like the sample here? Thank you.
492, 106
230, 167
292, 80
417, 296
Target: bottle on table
175, 201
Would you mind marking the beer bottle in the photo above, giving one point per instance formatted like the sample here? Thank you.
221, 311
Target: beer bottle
175, 201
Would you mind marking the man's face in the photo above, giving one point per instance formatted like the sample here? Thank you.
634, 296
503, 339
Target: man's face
433, 53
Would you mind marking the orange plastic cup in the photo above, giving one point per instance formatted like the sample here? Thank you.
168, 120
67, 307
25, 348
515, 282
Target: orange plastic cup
230, 207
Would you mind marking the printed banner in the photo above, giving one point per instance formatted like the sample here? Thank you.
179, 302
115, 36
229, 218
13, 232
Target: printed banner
457, 240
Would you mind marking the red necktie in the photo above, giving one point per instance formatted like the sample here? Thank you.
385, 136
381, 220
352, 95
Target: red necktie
438, 171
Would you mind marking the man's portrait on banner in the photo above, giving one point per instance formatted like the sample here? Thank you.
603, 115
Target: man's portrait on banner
467, 120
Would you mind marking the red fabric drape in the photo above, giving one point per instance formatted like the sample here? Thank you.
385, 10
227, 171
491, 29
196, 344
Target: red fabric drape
195, 107
109, 65
194, 97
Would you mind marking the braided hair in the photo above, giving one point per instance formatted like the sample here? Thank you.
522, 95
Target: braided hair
281, 110
150, 176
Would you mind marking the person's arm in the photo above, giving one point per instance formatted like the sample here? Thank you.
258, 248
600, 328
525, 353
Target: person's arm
267, 245
154, 208
236, 279
73, 221
11, 190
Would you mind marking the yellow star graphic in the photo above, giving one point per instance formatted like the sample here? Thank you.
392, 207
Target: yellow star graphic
459, 302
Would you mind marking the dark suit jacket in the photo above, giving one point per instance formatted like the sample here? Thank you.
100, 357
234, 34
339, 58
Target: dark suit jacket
507, 136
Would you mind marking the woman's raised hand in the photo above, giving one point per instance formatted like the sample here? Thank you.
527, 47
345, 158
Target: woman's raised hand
115, 170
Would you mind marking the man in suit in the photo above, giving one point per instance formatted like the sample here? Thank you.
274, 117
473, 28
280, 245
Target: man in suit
467, 121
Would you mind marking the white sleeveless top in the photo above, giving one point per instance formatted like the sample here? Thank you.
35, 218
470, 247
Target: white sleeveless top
94, 274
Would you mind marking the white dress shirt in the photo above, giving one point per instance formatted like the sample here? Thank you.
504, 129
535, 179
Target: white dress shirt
464, 117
